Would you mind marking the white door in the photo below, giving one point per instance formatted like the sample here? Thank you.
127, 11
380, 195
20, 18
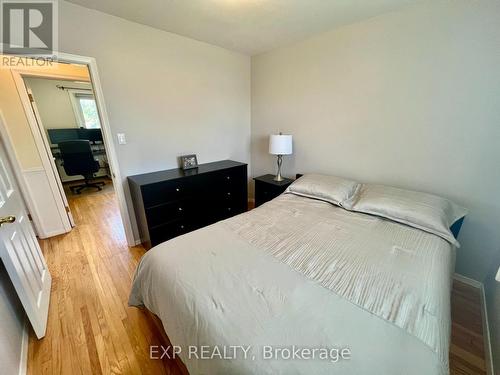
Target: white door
49, 152
20, 251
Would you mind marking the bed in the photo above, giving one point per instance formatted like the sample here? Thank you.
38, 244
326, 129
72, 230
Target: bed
307, 283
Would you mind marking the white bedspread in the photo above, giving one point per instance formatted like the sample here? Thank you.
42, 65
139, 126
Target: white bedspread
302, 272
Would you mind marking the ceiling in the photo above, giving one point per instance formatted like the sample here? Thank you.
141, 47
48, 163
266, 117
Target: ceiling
247, 26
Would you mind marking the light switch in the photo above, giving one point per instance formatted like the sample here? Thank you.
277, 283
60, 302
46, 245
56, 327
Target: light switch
121, 138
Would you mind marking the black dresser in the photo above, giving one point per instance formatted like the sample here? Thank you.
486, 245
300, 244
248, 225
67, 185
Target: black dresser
173, 202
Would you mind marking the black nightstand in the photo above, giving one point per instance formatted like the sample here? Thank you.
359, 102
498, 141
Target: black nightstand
266, 188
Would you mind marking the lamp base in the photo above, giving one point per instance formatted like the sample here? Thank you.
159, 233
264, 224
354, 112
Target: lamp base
278, 176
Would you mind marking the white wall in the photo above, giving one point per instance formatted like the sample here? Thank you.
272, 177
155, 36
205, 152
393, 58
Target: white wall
170, 95
410, 98
11, 325
54, 104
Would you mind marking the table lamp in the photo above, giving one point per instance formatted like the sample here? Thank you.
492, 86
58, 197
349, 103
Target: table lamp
280, 144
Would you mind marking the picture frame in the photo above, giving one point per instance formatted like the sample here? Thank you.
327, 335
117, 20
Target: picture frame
189, 161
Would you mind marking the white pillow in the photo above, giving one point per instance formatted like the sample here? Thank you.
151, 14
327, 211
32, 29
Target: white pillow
331, 189
424, 211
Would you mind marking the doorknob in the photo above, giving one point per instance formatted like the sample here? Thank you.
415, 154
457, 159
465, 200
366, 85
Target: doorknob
7, 219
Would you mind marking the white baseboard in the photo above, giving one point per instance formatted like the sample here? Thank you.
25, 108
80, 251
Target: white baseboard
53, 233
23, 362
484, 315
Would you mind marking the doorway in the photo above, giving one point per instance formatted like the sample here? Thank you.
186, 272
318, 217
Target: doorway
89, 123
68, 120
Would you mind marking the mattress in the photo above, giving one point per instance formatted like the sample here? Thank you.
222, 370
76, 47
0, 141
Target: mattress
262, 291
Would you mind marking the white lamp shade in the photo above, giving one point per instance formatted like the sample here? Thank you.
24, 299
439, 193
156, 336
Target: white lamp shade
280, 144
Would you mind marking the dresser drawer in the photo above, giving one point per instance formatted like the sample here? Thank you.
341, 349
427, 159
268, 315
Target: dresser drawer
170, 230
265, 192
267, 189
221, 184
230, 208
232, 177
229, 194
166, 212
163, 192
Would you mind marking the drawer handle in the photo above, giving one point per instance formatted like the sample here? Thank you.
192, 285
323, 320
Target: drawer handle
228, 194
228, 177
229, 208
177, 189
180, 208
182, 226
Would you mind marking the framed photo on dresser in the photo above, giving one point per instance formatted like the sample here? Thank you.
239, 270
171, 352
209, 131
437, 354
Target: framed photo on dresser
189, 161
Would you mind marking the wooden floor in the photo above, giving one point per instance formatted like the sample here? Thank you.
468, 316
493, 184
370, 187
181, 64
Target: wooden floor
91, 330
107, 188
467, 354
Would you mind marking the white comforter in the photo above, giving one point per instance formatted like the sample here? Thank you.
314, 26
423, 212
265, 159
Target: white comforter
298, 273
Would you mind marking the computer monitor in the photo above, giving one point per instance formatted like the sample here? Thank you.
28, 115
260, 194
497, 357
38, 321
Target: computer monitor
93, 135
70, 134
61, 135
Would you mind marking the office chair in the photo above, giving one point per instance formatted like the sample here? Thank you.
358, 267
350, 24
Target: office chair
78, 159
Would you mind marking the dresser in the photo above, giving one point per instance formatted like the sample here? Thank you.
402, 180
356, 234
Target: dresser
175, 201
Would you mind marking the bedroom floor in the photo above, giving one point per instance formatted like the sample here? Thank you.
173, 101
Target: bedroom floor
92, 331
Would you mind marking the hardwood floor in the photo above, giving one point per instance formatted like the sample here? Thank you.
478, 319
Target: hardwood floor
108, 187
467, 354
91, 330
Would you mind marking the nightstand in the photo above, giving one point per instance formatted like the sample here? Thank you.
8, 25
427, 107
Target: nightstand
266, 188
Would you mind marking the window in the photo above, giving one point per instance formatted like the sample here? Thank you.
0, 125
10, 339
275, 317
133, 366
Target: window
88, 111
85, 109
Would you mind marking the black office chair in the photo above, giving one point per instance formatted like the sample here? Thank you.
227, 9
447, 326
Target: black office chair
78, 159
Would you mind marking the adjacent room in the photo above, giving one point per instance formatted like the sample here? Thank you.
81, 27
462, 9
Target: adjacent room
68, 114
250, 187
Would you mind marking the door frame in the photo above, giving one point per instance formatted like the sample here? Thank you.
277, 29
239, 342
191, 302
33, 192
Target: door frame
91, 64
